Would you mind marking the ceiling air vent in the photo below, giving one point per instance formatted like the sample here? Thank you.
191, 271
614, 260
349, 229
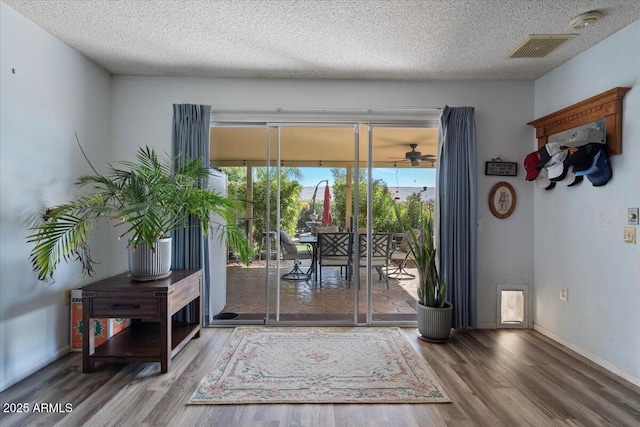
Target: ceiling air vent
539, 45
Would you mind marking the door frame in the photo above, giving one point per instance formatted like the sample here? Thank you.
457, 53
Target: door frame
396, 118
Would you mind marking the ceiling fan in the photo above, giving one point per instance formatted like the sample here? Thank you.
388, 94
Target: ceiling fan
415, 157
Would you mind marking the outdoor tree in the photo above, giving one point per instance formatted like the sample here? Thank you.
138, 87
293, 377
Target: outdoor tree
236, 183
414, 211
382, 207
290, 190
304, 216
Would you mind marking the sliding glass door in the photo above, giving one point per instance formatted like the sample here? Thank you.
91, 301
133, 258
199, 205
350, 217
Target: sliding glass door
298, 181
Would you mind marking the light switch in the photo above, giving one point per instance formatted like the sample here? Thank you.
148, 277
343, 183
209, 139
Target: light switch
632, 216
630, 235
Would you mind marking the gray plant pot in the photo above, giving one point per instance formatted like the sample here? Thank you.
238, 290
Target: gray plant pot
434, 324
148, 264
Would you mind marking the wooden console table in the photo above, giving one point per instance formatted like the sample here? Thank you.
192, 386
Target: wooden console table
154, 335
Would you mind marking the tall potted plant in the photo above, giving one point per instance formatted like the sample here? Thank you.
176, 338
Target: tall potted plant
146, 199
434, 311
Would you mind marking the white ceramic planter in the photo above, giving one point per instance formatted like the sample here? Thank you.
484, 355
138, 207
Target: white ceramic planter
148, 264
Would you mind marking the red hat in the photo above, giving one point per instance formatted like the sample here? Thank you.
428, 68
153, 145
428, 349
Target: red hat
530, 165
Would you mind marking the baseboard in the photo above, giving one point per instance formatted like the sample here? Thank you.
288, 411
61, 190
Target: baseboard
16, 379
487, 325
587, 354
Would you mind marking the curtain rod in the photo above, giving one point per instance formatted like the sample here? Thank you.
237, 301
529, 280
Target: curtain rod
317, 108
281, 113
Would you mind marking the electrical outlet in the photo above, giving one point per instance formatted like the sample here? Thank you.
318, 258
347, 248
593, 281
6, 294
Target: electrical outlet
630, 235
564, 294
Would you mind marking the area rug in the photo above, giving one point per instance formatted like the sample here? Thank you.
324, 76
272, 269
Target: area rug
318, 365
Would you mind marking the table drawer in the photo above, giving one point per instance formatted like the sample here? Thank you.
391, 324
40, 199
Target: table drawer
124, 307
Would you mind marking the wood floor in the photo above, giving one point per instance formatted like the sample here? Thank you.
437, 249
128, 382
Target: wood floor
494, 378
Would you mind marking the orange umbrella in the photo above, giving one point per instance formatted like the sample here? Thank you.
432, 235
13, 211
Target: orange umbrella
326, 211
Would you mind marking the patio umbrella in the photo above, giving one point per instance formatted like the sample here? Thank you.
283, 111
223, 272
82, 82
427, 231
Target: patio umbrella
326, 210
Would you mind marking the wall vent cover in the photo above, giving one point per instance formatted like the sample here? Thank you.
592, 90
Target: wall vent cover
539, 45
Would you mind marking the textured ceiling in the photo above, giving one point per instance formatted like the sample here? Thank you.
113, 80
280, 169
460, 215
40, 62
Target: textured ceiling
357, 39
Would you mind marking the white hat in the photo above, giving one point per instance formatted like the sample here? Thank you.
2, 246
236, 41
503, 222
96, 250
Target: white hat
555, 166
585, 136
542, 180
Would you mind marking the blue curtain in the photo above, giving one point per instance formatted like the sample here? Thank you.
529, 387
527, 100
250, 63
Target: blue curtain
457, 201
190, 138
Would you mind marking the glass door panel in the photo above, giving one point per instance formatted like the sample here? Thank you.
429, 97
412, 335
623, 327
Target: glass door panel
311, 163
401, 186
239, 152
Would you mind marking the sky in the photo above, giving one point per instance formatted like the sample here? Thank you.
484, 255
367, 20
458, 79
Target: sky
394, 177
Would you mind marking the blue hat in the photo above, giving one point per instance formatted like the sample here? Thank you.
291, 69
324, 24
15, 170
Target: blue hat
593, 167
603, 174
582, 158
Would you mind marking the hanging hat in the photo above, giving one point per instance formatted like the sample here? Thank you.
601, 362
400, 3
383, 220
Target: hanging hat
546, 152
542, 180
593, 167
571, 179
603, 173
555, 165
582, 158
530, 163
586, 136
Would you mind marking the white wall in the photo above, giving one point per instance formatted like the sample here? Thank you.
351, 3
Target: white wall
578, 230
53, 93
142, 114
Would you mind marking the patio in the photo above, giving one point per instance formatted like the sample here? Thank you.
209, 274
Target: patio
306, 301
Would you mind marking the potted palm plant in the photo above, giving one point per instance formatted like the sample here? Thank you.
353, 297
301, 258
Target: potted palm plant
146, 199
434, 311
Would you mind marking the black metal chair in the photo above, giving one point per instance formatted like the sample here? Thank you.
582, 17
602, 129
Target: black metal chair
290, 252
380, 249
335, 250
401, 255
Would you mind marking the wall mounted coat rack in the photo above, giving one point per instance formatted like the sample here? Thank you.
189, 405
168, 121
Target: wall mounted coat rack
607, 105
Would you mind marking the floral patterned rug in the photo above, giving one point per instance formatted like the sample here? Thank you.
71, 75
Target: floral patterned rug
318, 365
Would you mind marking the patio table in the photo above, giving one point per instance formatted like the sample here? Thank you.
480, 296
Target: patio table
312, 240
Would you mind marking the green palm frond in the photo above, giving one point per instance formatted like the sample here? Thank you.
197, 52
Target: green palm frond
145, 199
62, 237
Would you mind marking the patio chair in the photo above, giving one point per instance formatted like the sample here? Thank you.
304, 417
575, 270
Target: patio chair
380, 251
401, 254
326, 229
290, 252
335, 250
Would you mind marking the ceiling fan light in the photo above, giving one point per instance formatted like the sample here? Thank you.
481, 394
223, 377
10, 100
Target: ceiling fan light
414, 162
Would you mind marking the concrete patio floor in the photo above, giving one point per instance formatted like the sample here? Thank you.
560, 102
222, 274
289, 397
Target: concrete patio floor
306, 301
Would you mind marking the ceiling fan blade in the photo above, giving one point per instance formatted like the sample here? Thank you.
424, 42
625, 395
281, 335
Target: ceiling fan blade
427, 157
